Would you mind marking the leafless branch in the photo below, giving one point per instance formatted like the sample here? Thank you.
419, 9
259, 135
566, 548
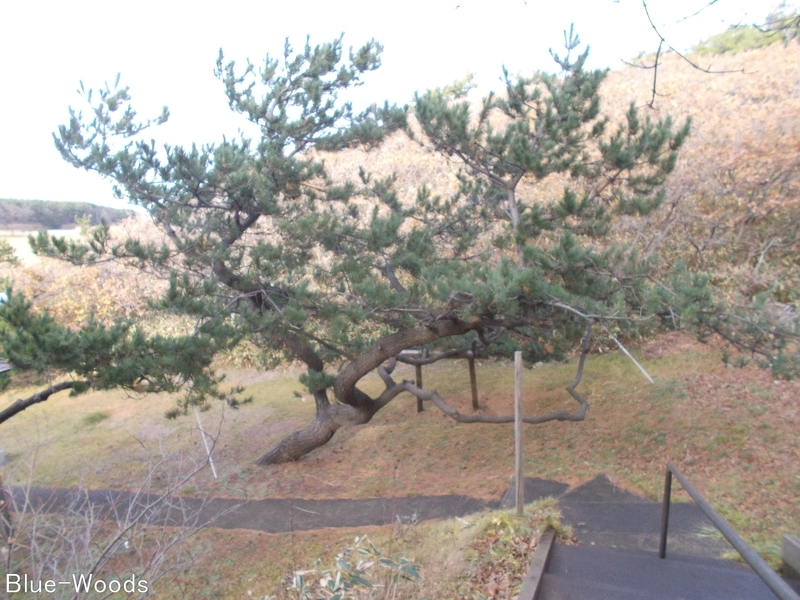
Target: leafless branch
698, 11
560, 415
663, 41
57, 534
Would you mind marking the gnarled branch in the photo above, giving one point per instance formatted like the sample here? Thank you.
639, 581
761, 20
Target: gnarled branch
42, 396
559, 415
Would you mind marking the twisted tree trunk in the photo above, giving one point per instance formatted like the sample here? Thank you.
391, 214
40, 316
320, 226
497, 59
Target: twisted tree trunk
328, 420
354, 407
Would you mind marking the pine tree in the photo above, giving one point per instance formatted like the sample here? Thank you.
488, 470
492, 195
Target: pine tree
344, 277
94, 356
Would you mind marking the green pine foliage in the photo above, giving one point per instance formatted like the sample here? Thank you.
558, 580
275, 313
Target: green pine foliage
263, 245
7, 254
779, 27
94, 356
562, 266
736, 39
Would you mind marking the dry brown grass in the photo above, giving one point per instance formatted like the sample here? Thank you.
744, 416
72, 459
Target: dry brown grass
746, 128
733, 432
745, 132
109, 291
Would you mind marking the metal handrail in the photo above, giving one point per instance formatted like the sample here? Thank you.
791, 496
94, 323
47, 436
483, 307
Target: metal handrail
762, 569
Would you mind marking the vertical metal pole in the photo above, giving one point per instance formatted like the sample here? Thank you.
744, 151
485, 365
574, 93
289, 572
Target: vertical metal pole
662, 547
418, 373
205, 442
518, 432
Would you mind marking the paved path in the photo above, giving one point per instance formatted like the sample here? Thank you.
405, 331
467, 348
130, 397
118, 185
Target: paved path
270, 515
617, 531
600, 513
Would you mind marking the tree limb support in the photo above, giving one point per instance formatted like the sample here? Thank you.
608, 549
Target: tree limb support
560, 415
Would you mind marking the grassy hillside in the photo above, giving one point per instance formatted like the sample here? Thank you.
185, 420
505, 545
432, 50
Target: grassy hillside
733, 202
732, 431
733, 208
33, 215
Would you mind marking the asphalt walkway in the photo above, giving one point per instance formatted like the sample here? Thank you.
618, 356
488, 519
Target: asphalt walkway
617, 532
270, 515
599, 512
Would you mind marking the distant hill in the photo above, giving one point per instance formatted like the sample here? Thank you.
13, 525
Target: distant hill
40, 214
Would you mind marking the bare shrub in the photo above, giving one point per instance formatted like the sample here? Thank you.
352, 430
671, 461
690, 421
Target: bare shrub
102, 544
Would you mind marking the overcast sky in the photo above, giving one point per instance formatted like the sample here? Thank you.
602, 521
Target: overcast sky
166, 50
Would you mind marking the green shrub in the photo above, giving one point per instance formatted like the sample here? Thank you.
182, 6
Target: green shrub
736, 39
93, 418
779, 27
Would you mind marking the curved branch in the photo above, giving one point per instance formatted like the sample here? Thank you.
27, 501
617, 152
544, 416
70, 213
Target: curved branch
683, 56
302, 351
42, 396
431, 358
391, 346
559, 415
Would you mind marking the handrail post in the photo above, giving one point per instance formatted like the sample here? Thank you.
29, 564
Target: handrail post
762, 569
662, 547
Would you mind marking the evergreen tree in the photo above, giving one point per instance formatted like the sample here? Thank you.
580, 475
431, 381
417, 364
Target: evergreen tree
345, 277
94, 356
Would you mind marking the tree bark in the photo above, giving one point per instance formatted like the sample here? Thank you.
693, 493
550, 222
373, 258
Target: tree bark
391, 346
355, 407
42, 396
326, 422
513, 213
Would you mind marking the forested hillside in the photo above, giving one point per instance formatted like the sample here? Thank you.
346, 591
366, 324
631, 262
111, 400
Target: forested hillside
721, 245
33, 215
733, 202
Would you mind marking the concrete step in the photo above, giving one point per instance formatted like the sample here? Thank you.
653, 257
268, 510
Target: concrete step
645, 576
601, 490
562, 587
633, 518
685, 544
602, 514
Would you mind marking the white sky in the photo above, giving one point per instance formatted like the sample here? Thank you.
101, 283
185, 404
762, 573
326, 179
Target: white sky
165, 51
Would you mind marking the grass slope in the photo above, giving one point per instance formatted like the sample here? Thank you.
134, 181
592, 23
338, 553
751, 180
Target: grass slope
732, 431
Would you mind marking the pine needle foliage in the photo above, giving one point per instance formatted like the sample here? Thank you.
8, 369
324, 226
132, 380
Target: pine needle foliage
343, 276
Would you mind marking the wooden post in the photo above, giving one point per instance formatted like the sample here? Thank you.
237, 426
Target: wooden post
473, 380
418, 373
518, 432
